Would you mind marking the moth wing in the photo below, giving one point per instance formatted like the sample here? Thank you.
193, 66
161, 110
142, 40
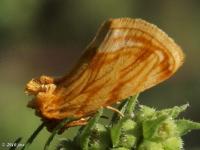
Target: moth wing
126, 57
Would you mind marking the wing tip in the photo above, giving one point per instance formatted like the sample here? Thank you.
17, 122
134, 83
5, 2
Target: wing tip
155, 31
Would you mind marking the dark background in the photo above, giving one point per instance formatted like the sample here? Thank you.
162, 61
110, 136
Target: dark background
47, 37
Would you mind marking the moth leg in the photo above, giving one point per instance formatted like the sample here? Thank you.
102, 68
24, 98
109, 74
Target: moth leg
79, 122
115, 110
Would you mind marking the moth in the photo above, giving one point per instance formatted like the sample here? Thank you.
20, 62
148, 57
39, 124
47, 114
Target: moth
127, 56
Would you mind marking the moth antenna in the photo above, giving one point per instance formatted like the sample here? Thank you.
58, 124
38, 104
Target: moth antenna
79, 122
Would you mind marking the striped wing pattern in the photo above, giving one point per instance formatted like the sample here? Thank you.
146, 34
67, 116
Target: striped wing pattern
127, 56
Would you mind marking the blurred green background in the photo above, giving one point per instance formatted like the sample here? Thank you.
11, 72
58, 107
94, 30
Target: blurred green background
47, 36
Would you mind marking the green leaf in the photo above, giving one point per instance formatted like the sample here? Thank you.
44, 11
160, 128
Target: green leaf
150, 127
85, 133
124, 131
115, 132
16, 142
32, 137
184, 126
160, 129
126, 107
131, 106
128, 141
149, 145
121, 107
145, 113
55, 131
119, 148
130, 133
66, 145
173, 143
173, 112
99, 138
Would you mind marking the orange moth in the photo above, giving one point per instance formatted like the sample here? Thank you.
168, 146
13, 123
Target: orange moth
127, 56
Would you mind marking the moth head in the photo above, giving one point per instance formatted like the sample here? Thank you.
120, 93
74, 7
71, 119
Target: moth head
34, 86
41, 88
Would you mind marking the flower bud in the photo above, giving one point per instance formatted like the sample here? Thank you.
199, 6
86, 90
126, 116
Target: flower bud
148, 145
99, 138
129, 133
174, 143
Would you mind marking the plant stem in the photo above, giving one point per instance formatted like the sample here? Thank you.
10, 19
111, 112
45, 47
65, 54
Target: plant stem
55, 131
32, 137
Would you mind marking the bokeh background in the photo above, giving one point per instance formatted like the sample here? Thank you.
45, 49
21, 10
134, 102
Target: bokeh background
47, 37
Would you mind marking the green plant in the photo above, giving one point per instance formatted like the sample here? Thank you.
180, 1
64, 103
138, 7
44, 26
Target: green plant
141, 128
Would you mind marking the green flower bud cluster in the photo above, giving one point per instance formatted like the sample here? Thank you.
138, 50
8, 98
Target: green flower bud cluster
141, 128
